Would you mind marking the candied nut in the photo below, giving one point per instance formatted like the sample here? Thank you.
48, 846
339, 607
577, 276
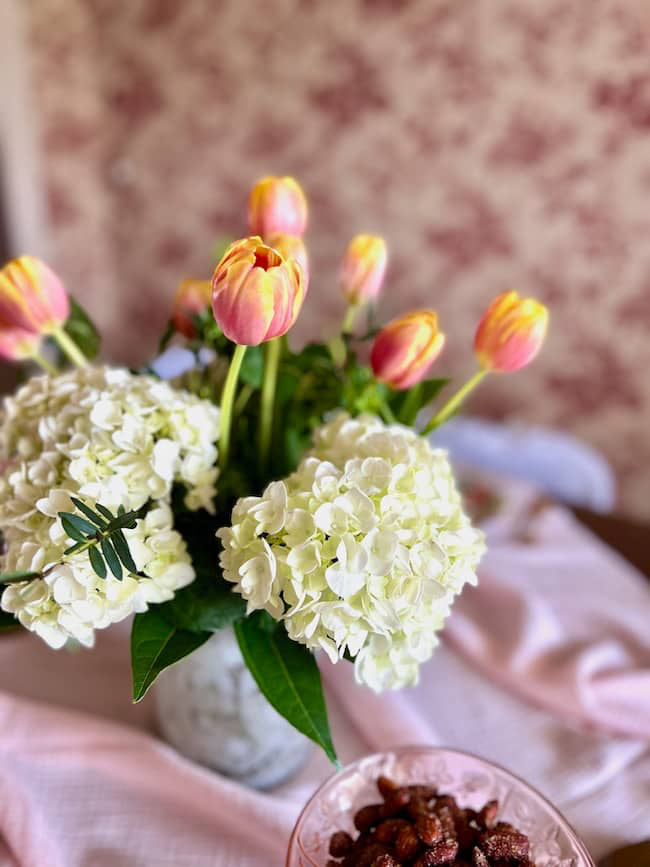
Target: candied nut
479, 859
407, 844
368, 816
426, 792
395, 803
420, 807
429, 829
505, 842
389, 829
340, 844
445, 815
386, 786
385, 861
370, 854
488, 814
442, 853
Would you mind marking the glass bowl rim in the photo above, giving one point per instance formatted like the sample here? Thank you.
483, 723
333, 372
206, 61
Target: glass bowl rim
407, 749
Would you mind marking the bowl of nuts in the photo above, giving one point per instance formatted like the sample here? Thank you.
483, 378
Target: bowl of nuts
427, 806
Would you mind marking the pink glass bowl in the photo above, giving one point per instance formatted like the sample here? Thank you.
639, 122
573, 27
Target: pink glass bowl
471, 780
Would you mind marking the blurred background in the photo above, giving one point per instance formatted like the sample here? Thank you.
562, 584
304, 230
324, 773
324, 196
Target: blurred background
494, 145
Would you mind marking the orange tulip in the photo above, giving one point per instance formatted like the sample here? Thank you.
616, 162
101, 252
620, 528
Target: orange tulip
256, 293
404, 349
193, 296
290, 247
364, 266
277, 205
32, 298
510, 333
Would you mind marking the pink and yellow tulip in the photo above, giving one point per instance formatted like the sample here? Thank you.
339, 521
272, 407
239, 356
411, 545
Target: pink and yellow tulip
256, 293
290, 247
404, 349
364, 267
32, 298
510, 333
16, 344
277, 205
193, 297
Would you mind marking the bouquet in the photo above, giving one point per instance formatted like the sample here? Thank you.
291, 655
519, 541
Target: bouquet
291, 494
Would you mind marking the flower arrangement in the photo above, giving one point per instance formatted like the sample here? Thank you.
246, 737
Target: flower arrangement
291, 494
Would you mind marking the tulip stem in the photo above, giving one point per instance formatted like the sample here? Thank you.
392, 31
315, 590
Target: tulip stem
43, 362
70, 348
454, 402
227, 399
271, 361
350, 318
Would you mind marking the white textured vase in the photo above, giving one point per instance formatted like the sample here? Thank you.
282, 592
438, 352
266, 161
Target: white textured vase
210, 709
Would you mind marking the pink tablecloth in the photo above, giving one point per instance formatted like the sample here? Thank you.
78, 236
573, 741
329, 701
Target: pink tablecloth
546, 669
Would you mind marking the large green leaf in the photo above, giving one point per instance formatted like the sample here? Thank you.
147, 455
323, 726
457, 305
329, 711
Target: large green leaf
155, 645
407, 404
82, 330
287, 674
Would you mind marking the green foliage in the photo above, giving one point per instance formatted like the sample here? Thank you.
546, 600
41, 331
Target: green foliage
287, 674
80, 327
16, 577
155, 645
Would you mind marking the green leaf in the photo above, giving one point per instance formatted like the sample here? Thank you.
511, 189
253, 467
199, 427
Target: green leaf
105, 512
122, 549
97, 562
81, 525
8, 621
127, 520
74, 548
15, 577
82, 330
71, 529
287, 674
206, 605
407, 404
88, 512
252, 368
111, 558
155, 645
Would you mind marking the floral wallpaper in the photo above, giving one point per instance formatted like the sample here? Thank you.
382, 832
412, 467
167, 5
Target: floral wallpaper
494, 144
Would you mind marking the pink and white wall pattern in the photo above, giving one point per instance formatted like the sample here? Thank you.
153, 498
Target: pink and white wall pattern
494, 144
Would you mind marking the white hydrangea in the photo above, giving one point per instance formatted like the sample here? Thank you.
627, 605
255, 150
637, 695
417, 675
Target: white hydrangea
105, 436
361, 551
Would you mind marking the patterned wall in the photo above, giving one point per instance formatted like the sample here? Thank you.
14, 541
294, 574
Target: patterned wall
495, 144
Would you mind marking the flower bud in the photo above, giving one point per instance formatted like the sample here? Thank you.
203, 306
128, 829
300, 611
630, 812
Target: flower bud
511, 332
193, 297
256, 293
364, 266
32, 297
277, 205
291, 247
404, 349
17, 344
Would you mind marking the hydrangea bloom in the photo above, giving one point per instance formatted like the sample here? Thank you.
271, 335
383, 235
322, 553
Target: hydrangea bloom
361, 551
110, 437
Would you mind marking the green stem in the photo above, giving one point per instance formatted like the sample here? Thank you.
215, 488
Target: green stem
454, 402
271, 362
43, 362
70, 348
227, 398
350, 318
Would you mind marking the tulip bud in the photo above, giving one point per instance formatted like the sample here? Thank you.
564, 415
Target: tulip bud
17, 344
277, 205
290, 247
510, 333
404, 349
364, 266
193, 297
256, 293
32, 298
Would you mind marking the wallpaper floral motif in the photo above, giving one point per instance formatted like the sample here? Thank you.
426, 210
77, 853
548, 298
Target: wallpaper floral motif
494, 144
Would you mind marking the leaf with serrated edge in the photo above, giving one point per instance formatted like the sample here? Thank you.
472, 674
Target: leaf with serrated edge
287, 674
155, 645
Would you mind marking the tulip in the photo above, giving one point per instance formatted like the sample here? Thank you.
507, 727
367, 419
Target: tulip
405, 349
364, 266
16, 344
510, 333
256, 293
193, 297
290, 247
32, 297
277, 205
